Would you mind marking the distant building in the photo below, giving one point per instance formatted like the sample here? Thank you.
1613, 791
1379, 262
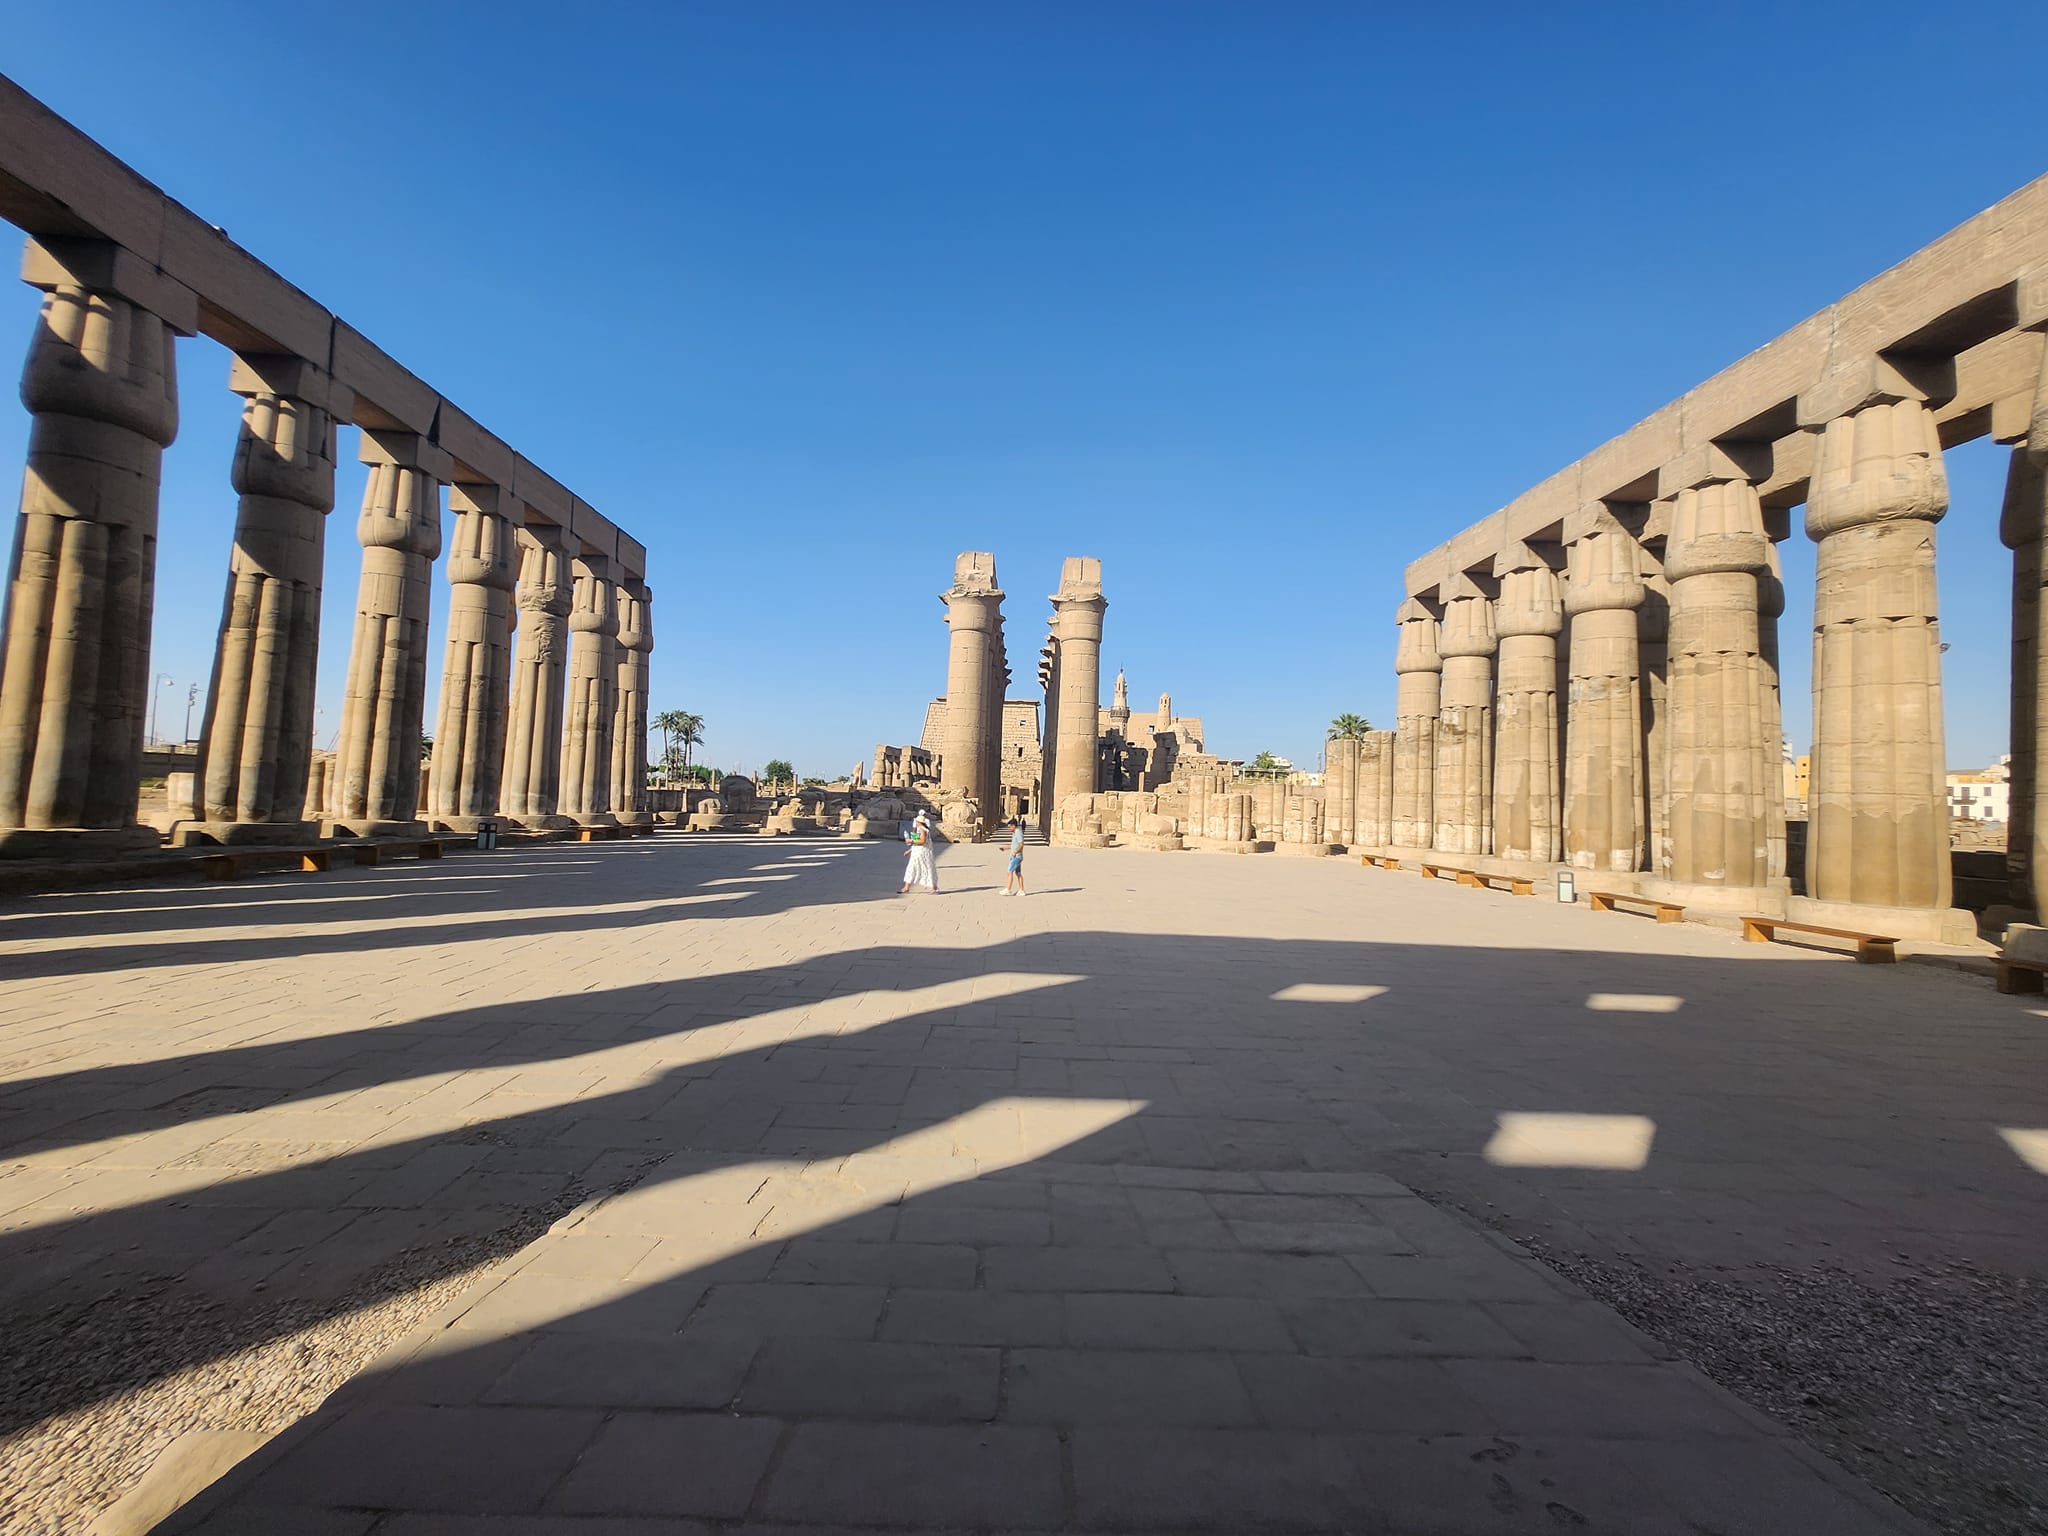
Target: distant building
1981, 794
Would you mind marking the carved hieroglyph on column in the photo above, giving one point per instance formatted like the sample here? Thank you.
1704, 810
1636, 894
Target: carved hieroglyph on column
1603, 818
256, 742
531, 790
1464, 733
378, 757
101, 386
629, 716
1418, 699
1529, 616
593, 679
469, 736
1720, 764
2023, 526
1878, 828
1340, 789
1078, 607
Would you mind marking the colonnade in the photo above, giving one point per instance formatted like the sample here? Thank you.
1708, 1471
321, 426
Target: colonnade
544, 738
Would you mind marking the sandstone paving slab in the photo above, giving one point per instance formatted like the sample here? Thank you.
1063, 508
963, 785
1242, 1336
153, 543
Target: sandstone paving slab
884, 1267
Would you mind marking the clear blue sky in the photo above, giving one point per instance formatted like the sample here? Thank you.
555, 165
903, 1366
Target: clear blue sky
1255, 303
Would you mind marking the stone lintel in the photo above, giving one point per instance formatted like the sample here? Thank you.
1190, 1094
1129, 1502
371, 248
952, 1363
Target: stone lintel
387, 395
270, 373
1875, 379
104, 267
592, 529
479, 455
408, 450
632, 555
1712, 464
544, 495
491, 500
2012, 419
2030, 298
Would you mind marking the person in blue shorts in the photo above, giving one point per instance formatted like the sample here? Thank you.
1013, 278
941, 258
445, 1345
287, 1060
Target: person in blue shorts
1014, 886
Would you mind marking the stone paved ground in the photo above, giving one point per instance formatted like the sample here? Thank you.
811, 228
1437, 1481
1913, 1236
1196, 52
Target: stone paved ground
1093, 1211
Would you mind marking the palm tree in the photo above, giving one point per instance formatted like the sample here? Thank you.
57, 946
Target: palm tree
689, 733
668, 722
1349, 727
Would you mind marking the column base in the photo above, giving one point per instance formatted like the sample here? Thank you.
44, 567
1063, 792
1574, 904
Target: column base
468, 824
547, 823
1931, 925
367, 828
1728, 900
602, 819
637, 818
75, 842
243, 834
1306, 850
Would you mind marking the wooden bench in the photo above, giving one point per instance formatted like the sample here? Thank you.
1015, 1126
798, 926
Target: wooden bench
1667, 911
375, 853
2020, 975
1514, 885
1871, 948
1432, 871
599, 834
233, 865
1378, 861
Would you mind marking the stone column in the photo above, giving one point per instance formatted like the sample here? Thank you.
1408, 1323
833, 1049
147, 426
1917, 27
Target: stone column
1720, 765
629, 715
1603, 817
383, 705
469, 736
974, 616
1770, 607
1340, 789
101, 386
1078, 607
2022, 526
593, 679
1418, 700
1375, 796
256, 739
1048, 741
1464, 732
1653, 629
531, 790
1878, 833
1529, 617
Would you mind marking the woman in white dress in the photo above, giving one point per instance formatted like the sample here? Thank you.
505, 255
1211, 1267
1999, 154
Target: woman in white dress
919, 867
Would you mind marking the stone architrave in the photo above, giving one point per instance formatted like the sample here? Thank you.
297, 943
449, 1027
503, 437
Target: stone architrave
2023, 526
101, 387
256, 738
469, 735
531, 789
1418, 700
1720, 763
1340, 789
629, 717
1078, 607
1529, 616
593, 679
383, 704
1603, 806
1464, 733
1877, 832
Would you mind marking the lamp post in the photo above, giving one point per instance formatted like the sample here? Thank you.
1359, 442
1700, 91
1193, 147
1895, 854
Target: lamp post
163, 681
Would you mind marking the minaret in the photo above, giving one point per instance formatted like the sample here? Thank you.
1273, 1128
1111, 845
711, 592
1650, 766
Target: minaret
1120, 707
